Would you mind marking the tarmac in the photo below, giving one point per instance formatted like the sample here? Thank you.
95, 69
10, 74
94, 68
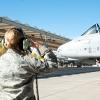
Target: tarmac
71, 84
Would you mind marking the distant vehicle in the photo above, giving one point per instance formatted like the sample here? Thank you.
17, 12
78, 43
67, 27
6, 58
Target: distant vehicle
84, 49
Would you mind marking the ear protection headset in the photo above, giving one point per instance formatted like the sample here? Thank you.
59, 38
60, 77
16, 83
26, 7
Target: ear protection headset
2, 42
23, 42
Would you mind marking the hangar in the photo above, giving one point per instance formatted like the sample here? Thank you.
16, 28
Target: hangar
43, 37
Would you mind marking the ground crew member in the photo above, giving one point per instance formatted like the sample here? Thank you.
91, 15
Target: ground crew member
16, 70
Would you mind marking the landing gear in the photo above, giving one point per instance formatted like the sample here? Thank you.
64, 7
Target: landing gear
79, 65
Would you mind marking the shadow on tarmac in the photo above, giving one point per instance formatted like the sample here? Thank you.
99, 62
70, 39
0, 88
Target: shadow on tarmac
69, 71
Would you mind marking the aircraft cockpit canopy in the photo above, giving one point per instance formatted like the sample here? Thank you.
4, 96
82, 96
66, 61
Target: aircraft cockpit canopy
92, 30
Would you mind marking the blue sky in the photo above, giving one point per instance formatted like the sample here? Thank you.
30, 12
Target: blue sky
68, 18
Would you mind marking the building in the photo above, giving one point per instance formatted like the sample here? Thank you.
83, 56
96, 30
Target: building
49, 39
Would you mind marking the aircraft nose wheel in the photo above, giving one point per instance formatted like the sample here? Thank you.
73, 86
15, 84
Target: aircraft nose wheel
79, 65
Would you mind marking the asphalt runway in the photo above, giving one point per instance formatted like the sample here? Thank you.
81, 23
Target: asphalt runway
71, 84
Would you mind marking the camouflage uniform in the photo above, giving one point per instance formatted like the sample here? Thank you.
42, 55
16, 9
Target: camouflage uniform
16, 77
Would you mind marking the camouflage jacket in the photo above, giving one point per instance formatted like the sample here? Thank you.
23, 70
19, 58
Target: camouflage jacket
16, 77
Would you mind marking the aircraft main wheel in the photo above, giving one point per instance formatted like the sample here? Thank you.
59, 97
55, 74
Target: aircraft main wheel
79, 65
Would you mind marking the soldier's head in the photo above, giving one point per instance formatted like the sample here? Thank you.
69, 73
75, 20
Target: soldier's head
13, 38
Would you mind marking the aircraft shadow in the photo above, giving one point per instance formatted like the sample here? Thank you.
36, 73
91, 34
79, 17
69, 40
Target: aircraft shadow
69, 71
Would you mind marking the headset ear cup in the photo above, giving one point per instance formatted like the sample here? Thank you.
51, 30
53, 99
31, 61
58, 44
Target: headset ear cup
26, 44
3, 42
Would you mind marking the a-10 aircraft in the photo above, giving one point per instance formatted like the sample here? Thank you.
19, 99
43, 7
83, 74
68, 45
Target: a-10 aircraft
84, 49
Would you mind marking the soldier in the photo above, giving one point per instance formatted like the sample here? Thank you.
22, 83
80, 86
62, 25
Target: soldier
51, 58
16, 68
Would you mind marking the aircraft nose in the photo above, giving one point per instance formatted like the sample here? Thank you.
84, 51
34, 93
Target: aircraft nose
66, 49
59, 50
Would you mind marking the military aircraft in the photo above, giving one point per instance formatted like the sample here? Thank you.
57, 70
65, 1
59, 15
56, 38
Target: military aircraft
84, 49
